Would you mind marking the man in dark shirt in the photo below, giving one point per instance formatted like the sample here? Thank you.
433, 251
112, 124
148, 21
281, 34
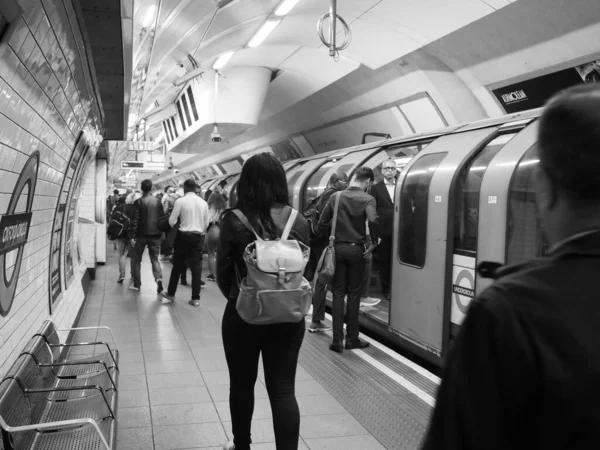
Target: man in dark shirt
524, 369
145, 232
337, 182
356, 207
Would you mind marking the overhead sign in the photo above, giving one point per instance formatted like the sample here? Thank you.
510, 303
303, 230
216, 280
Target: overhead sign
534, 93
132, 164
154, 165
141, 146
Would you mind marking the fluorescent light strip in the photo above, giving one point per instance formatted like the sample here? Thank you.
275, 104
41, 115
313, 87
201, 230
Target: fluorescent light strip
285, 7
222, 60
149, 16
263, 32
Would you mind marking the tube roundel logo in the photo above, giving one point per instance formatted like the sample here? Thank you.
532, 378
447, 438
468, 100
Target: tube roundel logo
14, 231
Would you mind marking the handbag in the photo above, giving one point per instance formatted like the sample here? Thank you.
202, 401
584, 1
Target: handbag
274, 289
326, 265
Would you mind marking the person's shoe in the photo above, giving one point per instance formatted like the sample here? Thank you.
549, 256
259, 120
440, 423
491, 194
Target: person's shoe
316, 327
159, 286
184, 282
229, 446
121, 279
202, 283
369, 301
336, 347
168, 296
134, 288
356, 344
195, 303
211, 278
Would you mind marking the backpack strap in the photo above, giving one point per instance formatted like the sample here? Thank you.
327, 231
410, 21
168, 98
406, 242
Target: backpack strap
335, 215
240, 215
289, 224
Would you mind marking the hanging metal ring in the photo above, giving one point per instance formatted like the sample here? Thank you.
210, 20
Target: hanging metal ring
331, 45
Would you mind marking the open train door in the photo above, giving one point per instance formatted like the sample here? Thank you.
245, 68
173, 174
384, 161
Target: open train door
419, 311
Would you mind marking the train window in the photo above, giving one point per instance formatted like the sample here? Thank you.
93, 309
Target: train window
466, 219
524, 239
192, 102
413, 209
186, 109
167, 136
312, 185
402, 154
174, 127
181, 115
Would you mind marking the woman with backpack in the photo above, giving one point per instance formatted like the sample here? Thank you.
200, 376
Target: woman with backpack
263, 199
122, 217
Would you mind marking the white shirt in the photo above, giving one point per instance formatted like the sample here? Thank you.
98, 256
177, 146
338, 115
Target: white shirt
391, 188
192, 212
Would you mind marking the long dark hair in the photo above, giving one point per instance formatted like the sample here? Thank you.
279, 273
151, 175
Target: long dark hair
262, 185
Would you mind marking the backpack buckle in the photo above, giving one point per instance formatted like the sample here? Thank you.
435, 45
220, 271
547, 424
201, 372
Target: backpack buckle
281, 275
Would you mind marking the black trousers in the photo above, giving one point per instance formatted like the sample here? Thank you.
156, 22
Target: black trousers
188, 253
383, 262
280, 346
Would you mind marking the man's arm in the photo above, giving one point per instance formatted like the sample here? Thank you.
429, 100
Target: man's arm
174, 217
326, 217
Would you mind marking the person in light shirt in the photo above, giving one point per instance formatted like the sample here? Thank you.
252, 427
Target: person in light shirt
192, 213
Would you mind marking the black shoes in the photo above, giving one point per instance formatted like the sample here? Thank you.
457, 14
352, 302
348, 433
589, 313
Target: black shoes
184, 282
159, 286
336, 347
350, 345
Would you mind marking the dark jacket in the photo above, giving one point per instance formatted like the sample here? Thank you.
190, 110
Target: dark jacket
148, 210
385, 210
524, 370
355, 208
234, 237
129, 211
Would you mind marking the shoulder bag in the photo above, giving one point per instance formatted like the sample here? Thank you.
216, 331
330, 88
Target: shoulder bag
326, 266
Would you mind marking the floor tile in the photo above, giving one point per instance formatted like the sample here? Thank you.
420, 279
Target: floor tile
309, 387
176, 396
174, 380
131, 368
135, 438
184, 414
171, 366
129, 399
154, 346
262, 410
211, 365
319, 405
189, 436
330, 425
168, 355
261, 430
133, 417
132, 382
346, 443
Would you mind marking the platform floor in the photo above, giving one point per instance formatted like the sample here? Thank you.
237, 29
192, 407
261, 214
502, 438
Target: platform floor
174, 384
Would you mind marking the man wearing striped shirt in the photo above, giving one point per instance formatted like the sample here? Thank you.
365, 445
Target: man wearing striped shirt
191, 211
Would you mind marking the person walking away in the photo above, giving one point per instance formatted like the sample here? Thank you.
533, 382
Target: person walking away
124, 212
145, 233
217, 196
263, 198
338, 182
356, 209
168, 202
524, 370
216, 206
384, 193
192, 213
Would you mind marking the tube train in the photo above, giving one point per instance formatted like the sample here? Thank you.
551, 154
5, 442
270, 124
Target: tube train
465, 194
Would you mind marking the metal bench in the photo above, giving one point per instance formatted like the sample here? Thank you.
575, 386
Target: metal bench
51, 402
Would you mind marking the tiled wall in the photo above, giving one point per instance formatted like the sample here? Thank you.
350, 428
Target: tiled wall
87, 206
45, 101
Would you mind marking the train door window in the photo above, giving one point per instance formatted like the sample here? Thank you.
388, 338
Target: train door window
313, 182
192, 102
413, 209
178, 104
174, 127
466, 207
186, 109
524, 240
402, 154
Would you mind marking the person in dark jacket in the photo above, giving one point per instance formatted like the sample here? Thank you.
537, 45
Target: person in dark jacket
263, 198
524, 370
145, 232
123, 245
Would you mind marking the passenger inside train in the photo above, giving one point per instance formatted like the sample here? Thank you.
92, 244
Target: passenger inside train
449, 303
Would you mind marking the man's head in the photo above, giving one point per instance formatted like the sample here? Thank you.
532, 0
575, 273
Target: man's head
146, 186
189, 185
116, 192
219, 188
568, 175
389, 170
363, 178
338, 181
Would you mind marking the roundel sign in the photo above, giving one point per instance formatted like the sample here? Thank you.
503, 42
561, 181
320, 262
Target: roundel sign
463, 287
14, 231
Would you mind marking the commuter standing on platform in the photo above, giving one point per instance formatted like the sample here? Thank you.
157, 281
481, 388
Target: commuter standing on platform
123, 242
192, 213
384, 192
338, 182
145, 232
356, 208
263, 198
524, 370
216, 205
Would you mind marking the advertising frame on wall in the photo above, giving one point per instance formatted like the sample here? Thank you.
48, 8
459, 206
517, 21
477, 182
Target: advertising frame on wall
61, 267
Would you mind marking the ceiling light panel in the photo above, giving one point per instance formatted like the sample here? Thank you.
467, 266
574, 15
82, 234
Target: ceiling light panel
222, 60
285, 7
149, 16
263, 32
